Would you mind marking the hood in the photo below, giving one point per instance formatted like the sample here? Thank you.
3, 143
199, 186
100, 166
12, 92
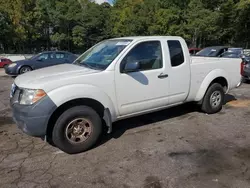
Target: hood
37, 78
24, 61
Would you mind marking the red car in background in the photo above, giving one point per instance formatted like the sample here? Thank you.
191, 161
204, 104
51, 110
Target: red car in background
193, 51
4, 62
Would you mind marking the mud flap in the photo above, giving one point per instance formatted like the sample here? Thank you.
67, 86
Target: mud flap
107, 119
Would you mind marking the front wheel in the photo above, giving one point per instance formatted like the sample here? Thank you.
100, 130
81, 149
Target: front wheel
77, 129
25, 69
213, 99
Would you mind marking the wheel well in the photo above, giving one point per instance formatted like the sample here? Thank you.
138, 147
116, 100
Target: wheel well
97, 106
24, 66
222, 81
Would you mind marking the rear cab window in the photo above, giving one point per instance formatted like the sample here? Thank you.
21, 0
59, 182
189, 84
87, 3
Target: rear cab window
176, 53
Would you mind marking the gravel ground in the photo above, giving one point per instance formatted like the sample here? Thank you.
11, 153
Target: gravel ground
175, 148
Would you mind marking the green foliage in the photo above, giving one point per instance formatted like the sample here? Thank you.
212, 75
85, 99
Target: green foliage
75, 25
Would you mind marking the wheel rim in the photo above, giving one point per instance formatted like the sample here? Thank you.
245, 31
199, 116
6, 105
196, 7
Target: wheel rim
78, 130
215, 99
25, 69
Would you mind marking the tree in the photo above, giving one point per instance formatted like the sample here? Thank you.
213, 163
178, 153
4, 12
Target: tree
92, 25
242, 25
29, 26
201, 23
5, 32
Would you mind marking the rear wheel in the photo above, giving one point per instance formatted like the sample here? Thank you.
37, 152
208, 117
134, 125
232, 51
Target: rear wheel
77, 129
213, 99
25, 69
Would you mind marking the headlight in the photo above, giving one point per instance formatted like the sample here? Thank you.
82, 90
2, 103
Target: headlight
31, 96
12, 65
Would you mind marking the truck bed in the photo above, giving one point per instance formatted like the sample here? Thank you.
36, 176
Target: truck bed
202, 66
202, 60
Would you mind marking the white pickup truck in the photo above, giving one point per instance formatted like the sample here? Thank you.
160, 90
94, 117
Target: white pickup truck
70, 104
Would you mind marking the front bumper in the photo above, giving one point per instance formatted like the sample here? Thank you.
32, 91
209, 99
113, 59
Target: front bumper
33, 119
11, 70
33, 126
240, 83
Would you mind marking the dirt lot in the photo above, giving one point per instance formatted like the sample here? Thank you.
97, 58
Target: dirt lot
175, 148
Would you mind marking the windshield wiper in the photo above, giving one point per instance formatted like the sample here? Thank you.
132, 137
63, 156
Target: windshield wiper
87, 65
97, 66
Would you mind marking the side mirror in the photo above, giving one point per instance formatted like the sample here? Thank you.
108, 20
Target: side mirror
131, 67
39, 59
244, 59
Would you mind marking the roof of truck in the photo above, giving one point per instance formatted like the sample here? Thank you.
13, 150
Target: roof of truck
145, 37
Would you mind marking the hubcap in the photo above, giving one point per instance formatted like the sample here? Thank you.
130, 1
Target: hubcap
78, 130
25, 70
215, 99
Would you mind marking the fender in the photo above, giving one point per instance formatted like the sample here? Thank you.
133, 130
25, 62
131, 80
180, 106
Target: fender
76, 91
18, 68
208, 80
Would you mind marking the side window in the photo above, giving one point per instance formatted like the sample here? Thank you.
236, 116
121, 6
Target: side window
52, 56
147, 54
176, 53
44, 56
60, 56
222, 51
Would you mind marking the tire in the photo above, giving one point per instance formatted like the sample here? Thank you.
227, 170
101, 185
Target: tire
213, 99
76, 123
25, 69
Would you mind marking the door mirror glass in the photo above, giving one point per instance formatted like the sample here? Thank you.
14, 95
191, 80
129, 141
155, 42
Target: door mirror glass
132, 67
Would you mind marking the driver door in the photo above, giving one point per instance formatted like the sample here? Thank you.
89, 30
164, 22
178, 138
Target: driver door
45, 60
145, 88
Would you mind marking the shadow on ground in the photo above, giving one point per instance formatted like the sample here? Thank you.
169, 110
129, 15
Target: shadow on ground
229, 98
120, 127
6, 120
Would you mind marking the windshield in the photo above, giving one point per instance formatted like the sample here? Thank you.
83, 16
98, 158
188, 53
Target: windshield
35, 56
208, 52
102, 55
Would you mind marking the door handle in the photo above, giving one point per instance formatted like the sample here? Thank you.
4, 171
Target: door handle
161, 76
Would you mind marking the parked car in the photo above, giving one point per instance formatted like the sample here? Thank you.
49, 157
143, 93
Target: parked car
245, 68
44, 59
193, 51
4, 62
117, 79
214, 51
236, 50
230, 55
